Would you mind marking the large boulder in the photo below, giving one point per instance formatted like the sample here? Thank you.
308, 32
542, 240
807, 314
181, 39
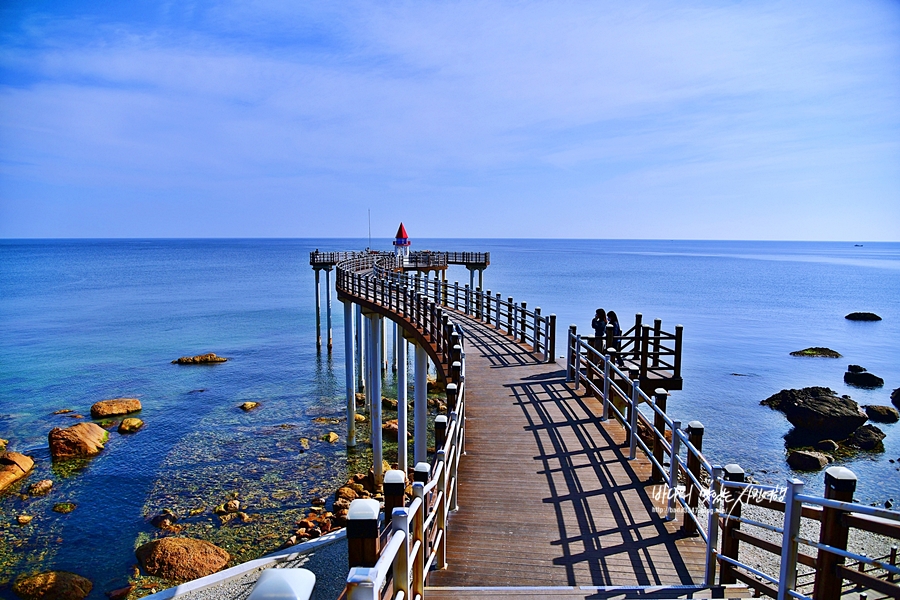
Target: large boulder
13, 467
78, 441
52, 585
201, 359
115, 407
858, 377
862, 316
818, 411
181, 559
130, 425
801, 460
882, 414
867, 437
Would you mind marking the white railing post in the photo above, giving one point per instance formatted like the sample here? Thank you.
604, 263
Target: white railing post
787, 579
635, 400
537, 329
712, 525
454, 464
577, 373
673, 469
418, 538
360, 584
441, 509
605, 414
400, 526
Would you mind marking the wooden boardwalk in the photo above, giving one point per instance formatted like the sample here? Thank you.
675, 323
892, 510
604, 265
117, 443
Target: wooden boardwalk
547, 495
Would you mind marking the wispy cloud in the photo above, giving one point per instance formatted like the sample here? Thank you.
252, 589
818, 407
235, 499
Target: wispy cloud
669, 120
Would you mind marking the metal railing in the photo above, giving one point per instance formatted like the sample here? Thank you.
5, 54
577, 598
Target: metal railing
710, 489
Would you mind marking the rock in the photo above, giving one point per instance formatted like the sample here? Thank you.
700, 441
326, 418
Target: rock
24, 519
200, 359
341, 504
330, 437
165, 519
249, 405
817, 351
62, 411
867, 437
304, 443
818, 411
318, 501
391, 430
181, 559
120, 593
882, 414
130, 425
3, 444
115, 407
40, 488
346, 493
857, 376
13, 467
64, 507
231, 506
359, 418
389, 403
827, 446
862, 316
800, 460
888, 504
645, 432
78, 441
55, 585
895, 397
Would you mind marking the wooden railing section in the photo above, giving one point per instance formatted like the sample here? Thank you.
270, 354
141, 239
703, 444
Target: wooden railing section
712, 497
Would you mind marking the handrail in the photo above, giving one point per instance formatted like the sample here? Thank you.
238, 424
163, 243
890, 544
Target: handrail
623, 400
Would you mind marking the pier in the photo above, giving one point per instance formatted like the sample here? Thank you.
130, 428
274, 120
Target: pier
562, 477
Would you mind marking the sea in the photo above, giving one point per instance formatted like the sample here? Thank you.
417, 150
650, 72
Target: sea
87, 320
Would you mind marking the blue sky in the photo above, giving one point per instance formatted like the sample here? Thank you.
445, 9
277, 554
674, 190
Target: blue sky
698, 120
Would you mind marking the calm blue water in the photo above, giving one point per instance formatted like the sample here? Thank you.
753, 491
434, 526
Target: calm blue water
83, 321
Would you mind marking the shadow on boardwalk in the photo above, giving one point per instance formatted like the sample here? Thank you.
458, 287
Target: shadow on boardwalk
547, 495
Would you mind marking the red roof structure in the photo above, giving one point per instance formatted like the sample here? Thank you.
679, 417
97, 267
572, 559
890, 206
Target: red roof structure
401, 233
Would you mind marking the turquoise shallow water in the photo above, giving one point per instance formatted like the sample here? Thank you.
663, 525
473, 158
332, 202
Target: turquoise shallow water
87, 320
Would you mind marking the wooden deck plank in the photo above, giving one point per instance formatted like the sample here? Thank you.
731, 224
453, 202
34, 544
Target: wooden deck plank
546, 494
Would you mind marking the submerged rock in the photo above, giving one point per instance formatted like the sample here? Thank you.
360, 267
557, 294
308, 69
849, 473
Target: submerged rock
817, 351
818, 411
828, 446
330, 437
862, 316
55, 585
801, 460
859, 377
64, 507
40, 488
248, 406
78, 441
13, 467
181, 559
882, 414
200, 359
115, 407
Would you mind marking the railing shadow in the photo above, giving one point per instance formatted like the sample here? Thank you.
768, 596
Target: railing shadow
499, 349
597, 478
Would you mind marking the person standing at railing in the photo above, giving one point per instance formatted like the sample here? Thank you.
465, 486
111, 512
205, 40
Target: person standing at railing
599, 325
617, 332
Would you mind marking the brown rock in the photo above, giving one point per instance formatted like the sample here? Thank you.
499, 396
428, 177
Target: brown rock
200, 359
40, 488
247, 406
56, 585
130, 425
341, 504
13, 467
391, 429
882, 414
800, 460
62, 411
24, 519
330, 437
81, 440
867, 437
346, 493
120, 593
388, 403
818, 411
64, 507
181, 559
115, 407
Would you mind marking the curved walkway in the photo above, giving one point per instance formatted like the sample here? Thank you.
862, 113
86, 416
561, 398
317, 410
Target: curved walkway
547, 495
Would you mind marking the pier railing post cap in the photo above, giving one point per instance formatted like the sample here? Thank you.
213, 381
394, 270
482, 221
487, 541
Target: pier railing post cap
440, 419
840, 479
422, 472
394, 476
695, 427
451, 387
733, 472
284, 583
363, 509
661, 392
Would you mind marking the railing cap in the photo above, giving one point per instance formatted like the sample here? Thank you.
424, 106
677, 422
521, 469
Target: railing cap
441, 419
395, 476
695, 427
840, 479
733, 472
364, 509
423, 467
661, 392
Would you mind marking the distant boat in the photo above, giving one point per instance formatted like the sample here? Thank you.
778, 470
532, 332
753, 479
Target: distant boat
858, 245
